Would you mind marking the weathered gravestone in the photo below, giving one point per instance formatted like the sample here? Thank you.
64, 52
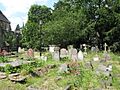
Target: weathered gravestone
51, 48
93, 49
19, 50
106, 56
70, 47
43, 57
5, 52
96, 58
63, 53
56, 54
63, 68
30, 53
80, 55
74, 55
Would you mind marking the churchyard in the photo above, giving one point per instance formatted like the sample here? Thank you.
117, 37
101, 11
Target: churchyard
60, 69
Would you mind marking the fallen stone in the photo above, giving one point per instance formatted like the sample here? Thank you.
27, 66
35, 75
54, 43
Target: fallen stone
68, 87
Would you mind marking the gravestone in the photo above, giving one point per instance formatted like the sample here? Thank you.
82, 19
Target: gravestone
106, 56
74, 55
96, 58
4, 52
19, 50
63, 53
80, 55
89, 65
30, 53
43, 57
56, 54
93, 49
70, 47
51, 48
63, 68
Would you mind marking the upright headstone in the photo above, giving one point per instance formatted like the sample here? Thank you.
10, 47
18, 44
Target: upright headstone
96, 49
19, 49
74, 55
56, 54
81, 47
93, 49
30, 53
80, 55
96, 58
5, 52
51, 48
63, 68
63, 53
105, 47
70, 47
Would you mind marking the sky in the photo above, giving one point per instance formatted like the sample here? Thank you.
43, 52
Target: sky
16, 10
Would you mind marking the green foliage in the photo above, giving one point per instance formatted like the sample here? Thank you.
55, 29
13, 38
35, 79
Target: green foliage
3, 59
8, 69
33, 32
28, 67
74, 22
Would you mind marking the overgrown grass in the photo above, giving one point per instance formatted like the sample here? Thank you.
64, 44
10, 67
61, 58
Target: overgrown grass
87, 80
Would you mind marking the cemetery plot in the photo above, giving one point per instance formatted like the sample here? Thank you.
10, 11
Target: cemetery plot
92, 71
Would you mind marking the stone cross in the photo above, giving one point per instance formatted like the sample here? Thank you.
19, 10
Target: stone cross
105, 47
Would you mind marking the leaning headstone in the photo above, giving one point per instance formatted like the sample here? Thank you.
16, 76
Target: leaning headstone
56, 54
74, 55
89, 65
63, 68
106, 56
63, 53
30, 53
80, 55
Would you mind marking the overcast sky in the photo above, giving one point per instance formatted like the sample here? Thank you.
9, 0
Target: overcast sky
16, 10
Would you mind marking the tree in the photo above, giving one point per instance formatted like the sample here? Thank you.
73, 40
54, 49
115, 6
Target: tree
33, 32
